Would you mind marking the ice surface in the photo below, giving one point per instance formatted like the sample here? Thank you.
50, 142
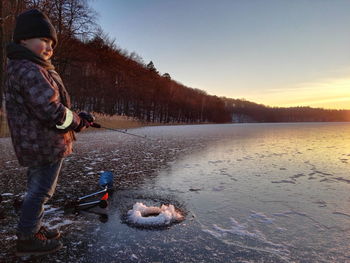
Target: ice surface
290, 196
289, 201
261, 217
57, 222
167, 214
246, 236
54, 217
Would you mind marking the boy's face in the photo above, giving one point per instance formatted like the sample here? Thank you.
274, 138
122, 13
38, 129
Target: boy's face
40, 46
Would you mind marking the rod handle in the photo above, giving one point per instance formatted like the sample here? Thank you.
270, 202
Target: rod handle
95, 125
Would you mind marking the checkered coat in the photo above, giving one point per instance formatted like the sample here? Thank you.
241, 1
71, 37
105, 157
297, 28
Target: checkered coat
34, 108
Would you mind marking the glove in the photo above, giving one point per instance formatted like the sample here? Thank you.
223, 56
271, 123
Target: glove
86, 120
82, 125
87, 116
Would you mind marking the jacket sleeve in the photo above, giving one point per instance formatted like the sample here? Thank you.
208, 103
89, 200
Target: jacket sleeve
43, 101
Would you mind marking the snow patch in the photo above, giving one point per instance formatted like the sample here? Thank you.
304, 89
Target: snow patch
11, 238
57, 223
50, 210
7, 194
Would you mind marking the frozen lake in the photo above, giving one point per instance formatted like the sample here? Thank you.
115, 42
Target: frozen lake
252, 192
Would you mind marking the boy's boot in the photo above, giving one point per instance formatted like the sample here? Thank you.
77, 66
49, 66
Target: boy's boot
50, 233
36, 245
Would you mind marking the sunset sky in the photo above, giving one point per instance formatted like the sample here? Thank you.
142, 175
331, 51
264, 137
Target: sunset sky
274, 52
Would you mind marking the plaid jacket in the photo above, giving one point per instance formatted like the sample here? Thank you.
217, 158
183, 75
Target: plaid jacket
34, 109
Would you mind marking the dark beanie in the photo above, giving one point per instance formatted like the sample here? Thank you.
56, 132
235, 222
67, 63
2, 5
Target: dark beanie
33, 24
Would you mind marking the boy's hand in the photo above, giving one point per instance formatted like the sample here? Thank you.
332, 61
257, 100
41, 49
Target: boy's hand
86, 120
87, 116
82, 125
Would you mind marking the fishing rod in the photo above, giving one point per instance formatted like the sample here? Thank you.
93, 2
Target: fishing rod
91, 119
96, 125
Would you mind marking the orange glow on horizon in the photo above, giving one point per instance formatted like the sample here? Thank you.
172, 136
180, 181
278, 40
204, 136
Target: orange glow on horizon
328, 94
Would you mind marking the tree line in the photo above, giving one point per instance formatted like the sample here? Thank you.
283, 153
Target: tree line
246, 111
102, 77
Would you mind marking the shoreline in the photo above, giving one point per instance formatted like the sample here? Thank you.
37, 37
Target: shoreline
113, 122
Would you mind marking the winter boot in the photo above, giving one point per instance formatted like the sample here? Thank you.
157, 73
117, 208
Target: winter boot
36, 245
50, 233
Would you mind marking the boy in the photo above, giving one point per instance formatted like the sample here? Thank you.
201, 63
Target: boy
41, 124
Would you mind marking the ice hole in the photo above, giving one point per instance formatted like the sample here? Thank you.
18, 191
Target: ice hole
143, 215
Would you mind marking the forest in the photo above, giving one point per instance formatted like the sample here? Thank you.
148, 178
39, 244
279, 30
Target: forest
102, 77
246, 111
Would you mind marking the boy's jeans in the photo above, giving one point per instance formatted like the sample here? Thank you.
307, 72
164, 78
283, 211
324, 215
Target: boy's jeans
41, 184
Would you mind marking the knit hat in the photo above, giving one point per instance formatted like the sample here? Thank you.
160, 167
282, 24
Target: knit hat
33, 24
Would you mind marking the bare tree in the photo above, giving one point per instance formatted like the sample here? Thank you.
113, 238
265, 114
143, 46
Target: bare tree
150, 66
72, 19
167, 76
